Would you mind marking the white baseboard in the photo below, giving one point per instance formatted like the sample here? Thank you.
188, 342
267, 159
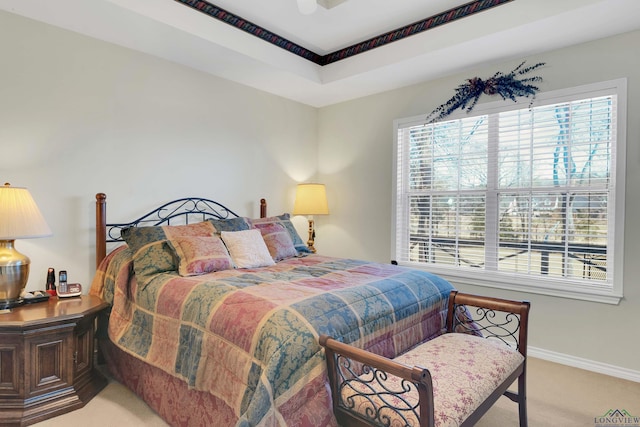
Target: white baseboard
589, 365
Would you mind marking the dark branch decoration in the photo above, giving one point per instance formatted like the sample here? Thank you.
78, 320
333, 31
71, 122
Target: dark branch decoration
508, 86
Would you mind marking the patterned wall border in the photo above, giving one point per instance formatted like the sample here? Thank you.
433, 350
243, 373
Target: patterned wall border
372, 43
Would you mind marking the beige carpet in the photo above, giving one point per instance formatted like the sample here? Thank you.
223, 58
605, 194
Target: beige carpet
562, 396
557, 396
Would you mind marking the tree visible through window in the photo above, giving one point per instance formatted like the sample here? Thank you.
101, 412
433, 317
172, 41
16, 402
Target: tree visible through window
515, 192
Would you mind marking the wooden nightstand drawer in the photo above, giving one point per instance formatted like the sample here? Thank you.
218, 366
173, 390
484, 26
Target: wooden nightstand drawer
46, 359
50, 367
11, 364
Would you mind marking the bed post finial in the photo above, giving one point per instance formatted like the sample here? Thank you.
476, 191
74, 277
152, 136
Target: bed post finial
263, 208
101, 227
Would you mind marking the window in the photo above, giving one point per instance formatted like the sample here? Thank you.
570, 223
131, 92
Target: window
516, 196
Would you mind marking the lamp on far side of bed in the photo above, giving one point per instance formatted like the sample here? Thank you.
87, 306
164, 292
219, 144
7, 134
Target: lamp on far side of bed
20, 218
311, 199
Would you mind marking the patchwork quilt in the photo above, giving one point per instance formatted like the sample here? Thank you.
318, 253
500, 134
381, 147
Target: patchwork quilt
250, 336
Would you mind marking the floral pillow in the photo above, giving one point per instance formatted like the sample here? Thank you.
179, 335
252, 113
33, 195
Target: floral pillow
152, 253
247, 248
278, 241
230, 224
200, 255
285, 221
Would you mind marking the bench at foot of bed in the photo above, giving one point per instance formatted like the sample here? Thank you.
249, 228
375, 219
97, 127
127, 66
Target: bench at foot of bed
451, 380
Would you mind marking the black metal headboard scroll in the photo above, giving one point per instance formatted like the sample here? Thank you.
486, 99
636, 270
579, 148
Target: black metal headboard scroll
180, 211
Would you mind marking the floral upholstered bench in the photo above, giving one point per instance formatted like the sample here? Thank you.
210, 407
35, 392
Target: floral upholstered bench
451, 380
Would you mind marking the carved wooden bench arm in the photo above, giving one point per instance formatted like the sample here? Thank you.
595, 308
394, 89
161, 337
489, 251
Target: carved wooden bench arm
451, 380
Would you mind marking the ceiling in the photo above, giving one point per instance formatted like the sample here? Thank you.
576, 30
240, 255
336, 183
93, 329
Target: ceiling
176, 31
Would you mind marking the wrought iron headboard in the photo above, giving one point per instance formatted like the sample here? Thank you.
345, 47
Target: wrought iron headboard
184, 211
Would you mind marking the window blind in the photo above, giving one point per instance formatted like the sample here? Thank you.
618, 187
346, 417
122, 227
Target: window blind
514, 190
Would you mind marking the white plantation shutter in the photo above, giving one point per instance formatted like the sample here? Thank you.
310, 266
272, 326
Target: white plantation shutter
518, 195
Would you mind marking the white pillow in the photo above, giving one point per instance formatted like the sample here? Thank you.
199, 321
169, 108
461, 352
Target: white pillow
247, 248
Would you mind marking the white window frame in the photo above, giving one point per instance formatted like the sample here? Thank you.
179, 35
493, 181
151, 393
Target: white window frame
512, 281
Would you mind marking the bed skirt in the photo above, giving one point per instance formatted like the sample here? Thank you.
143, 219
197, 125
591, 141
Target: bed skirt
171, 398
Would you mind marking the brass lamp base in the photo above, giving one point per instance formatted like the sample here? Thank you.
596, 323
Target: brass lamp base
14, 273
312, 236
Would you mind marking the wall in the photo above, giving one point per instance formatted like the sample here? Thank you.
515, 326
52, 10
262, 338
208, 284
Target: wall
359, 185
80, 116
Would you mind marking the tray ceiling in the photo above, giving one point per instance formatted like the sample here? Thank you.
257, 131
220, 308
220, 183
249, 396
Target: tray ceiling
354, 48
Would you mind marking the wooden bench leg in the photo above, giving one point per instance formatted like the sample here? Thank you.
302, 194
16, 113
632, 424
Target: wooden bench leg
522, 397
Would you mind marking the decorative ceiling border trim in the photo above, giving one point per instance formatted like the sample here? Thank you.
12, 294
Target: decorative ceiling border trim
247, 26
347, 52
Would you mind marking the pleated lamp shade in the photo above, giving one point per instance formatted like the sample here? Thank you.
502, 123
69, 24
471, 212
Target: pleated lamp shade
20, 217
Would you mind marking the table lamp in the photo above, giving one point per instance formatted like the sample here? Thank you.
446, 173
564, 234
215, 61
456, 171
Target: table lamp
311, 199
20, 218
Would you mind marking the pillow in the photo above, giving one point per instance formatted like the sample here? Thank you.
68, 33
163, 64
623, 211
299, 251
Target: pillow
278, 241
230, 224
152, 254
247, 248
285, 220
200, 255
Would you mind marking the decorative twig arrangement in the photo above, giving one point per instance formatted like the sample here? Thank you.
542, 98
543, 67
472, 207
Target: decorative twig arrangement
508, 86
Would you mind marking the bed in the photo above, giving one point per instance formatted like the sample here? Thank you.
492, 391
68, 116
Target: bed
226, 337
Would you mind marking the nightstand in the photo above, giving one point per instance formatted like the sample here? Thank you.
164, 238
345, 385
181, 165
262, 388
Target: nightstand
47, 359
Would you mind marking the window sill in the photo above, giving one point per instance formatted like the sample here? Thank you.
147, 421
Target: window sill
598, 293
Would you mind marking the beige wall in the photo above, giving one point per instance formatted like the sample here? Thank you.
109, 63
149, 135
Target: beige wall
79, 116
359, 185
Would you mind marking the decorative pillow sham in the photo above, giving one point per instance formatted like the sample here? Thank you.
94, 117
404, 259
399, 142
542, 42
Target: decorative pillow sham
230, 224
200, 255
152, 254
278, 241
247, 248
285, 221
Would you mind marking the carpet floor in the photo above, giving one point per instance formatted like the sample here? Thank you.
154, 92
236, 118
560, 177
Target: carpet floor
558, 395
